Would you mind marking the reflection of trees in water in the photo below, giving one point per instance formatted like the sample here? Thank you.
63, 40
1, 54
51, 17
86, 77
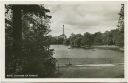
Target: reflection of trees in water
87, 56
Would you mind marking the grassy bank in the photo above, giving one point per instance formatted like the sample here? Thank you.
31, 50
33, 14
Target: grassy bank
91, 72
109, 47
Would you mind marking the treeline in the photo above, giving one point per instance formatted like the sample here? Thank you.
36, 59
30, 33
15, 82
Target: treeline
113, 37
27, 49
56, 40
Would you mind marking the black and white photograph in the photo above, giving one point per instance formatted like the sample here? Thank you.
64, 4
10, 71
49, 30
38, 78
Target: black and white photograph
65, 40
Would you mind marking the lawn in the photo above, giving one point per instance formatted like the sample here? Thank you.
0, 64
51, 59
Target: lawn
91, 68
116, 71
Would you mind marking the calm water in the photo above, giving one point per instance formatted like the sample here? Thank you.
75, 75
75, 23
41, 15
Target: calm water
82, 56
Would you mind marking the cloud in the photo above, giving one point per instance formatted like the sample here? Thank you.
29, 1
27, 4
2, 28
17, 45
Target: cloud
79, 18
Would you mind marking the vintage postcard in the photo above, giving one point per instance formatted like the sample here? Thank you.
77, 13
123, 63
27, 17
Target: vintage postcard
58, 40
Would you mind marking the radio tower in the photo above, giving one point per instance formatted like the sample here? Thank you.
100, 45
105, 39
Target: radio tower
63, 32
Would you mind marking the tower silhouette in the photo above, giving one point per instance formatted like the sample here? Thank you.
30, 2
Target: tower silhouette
63, 30
63, 34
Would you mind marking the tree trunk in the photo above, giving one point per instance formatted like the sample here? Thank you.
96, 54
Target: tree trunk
17, 34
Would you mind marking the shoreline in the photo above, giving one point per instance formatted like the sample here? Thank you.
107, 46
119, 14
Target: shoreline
106, 47
112, 47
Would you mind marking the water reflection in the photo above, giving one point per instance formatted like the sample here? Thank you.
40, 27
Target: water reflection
84, 56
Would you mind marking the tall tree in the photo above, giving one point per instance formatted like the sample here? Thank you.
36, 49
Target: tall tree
121, 26
30, 41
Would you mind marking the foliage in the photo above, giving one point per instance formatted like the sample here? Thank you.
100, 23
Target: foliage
27, 43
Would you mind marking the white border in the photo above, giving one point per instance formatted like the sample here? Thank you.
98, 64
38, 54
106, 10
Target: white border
2, 44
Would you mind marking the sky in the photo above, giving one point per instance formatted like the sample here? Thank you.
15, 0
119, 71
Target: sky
83, 17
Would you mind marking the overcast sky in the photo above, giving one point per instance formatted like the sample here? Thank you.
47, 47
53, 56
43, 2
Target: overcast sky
83, 17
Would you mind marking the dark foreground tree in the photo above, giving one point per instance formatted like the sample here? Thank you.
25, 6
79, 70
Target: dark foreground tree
27, 46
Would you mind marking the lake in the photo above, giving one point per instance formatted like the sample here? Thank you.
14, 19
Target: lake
80, 56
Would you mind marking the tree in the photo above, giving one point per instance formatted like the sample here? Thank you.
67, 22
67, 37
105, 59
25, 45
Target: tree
97, 38
67, 41
30, 42
87, 39
75, 40
121, 26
